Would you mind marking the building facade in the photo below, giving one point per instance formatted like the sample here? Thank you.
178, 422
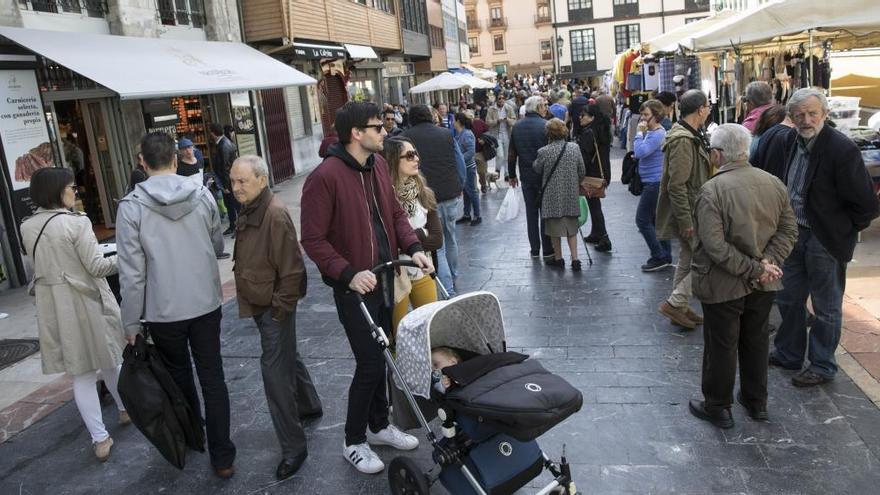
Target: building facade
590, 33
510, 36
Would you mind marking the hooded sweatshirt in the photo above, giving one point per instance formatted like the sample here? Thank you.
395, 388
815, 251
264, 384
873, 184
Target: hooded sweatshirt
168, 237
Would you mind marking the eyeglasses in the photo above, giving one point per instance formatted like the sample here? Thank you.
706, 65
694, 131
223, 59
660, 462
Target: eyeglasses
377, 127
410, 155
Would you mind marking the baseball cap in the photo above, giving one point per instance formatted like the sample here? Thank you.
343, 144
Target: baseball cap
184, 143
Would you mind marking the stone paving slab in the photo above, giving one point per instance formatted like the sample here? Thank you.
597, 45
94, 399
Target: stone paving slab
599, 329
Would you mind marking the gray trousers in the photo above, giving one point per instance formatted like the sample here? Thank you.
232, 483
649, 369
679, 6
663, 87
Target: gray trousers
289, 388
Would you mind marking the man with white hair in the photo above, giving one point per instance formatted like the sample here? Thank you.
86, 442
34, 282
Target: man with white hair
270, 277
527, 138
758, 97
744, 229
833, 199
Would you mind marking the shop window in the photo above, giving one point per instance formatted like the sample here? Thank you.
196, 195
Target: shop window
90, 8
182, 13
546, 50
498, 43
626, 36
474, 45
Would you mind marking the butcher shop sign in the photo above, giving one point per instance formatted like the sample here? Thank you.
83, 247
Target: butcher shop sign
23, 133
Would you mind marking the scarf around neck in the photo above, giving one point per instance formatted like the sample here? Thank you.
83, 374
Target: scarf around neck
408, 195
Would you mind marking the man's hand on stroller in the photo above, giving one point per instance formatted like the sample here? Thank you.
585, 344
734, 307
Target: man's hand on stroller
363, 282
424, 262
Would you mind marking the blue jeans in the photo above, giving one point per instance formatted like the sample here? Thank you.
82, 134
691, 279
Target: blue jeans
810, 271
447, 255
646, 214
471, 194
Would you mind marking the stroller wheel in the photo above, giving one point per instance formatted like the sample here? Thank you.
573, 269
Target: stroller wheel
405, 478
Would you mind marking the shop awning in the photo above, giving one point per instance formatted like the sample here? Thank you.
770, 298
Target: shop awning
154, 68
360, 52
315, 51
669, 41
853, 22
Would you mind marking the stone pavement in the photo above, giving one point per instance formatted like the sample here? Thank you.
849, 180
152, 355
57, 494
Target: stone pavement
598, 329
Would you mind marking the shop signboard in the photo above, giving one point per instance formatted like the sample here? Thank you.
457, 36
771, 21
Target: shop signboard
244, 123
23, 134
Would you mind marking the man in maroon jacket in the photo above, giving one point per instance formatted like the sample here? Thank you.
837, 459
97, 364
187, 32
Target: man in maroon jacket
352, 221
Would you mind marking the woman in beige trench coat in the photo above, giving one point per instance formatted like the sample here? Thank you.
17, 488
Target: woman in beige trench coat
77, 315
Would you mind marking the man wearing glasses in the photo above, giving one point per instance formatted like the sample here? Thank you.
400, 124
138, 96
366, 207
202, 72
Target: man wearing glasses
389, 122
685, 169
352, 221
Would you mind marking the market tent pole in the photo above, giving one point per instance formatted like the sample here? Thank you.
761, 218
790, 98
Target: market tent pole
810, 56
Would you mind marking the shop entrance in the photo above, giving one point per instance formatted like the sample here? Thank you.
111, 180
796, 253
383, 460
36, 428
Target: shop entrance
90, 148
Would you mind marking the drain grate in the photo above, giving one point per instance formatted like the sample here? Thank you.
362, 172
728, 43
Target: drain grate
14, 350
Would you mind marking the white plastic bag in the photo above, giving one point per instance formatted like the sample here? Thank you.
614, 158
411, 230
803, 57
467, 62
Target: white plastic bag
511, 205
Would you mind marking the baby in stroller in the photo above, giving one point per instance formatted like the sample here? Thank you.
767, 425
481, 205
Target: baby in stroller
452, 363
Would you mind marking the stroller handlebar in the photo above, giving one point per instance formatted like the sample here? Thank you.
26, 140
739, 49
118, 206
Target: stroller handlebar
390, 265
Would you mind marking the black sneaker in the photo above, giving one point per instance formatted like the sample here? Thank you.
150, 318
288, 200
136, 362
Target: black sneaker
604, 245
534, 254
592, 239
655, 264
476, 221
549, 257
575, 265
464, 219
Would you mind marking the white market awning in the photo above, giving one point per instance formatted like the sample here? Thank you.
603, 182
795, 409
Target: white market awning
360, 52
670, 40
138, 68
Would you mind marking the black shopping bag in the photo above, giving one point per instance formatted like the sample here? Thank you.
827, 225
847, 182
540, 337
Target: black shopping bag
156, 405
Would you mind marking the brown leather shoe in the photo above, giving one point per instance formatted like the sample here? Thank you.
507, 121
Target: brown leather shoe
694, 317
225, 473
677, 316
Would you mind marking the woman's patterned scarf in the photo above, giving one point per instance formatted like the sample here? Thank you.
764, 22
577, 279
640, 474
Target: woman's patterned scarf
408, 195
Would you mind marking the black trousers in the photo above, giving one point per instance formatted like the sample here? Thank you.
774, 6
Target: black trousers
290, 392
537, 239
736, 329
597, 218
232, 206
201, 336
367, 400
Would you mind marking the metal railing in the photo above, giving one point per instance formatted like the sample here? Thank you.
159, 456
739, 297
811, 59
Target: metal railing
474, 25
91, 8
498, 22
542, 18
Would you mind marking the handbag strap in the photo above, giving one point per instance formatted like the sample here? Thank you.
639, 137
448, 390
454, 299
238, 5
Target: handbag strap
550, 175
598, 159
36, 242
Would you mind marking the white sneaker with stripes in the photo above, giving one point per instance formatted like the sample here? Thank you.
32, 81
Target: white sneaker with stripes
362, 457
392, 437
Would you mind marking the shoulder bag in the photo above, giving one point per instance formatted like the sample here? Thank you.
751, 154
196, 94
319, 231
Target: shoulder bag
594, 187
540, 199
30, 287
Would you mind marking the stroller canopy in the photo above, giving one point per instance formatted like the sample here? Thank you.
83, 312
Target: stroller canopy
471, 322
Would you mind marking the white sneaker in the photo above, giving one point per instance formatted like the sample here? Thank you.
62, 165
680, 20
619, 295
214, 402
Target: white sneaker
362, 457
393, 437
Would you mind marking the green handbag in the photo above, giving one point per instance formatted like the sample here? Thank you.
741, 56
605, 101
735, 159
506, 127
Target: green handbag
585, 210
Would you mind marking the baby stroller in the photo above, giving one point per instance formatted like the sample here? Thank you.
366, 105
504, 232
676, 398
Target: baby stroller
499, 404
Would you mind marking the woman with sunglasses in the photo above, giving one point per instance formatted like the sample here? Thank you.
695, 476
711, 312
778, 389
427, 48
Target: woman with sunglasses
77, 314
420, 205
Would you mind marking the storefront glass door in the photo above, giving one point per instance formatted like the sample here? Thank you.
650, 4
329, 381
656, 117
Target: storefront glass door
105, 153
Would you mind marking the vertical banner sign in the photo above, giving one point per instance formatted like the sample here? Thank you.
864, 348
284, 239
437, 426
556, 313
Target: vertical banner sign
24, 135
244, 123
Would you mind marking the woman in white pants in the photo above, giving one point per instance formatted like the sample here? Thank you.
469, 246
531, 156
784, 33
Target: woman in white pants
77, 314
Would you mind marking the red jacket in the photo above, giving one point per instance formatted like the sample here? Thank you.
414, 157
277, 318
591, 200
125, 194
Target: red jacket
337, 229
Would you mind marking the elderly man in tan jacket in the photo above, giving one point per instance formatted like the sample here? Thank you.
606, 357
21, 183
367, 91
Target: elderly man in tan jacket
744, 228
270, 277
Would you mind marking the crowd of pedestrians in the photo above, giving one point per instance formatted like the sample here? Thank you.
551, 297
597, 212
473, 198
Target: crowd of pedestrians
761, 212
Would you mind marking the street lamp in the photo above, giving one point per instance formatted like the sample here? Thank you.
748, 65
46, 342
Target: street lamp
559, 42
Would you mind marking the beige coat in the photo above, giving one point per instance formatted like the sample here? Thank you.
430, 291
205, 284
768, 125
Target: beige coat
77, 315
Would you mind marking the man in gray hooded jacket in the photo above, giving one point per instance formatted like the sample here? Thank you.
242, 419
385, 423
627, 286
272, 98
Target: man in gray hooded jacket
168, 235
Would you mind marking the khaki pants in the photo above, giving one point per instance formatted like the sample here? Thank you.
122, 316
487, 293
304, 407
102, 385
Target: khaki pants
681, 282
482, 170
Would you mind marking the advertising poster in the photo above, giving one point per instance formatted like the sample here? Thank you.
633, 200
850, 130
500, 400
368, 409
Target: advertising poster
23, 133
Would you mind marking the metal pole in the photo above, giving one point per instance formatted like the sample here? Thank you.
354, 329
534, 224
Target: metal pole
810, 57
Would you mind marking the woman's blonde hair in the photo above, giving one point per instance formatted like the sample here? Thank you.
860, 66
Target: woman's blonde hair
392, 149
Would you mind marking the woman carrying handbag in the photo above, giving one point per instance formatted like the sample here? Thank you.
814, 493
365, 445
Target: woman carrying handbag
594, 141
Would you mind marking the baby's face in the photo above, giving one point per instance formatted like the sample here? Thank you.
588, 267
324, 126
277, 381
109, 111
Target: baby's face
440, 360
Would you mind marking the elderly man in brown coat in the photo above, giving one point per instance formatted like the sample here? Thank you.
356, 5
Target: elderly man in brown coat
745, 228
270, 278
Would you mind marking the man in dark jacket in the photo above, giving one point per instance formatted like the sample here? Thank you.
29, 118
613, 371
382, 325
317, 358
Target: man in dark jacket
527, 138
833, 199
224, 155
270, 277
772, 148
352, 221
444, 169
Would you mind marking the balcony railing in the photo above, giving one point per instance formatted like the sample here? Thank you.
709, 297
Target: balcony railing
91, 8
182, 12
542, 19
474, 25
496, 22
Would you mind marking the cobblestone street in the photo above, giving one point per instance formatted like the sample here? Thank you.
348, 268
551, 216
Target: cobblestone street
599, 329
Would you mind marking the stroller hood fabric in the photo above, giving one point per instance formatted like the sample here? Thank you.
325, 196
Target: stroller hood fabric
472, 322
156, 405
523, 400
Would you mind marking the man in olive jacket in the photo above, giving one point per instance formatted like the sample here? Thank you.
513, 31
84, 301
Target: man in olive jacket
685, 169
744, 228
270, 277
